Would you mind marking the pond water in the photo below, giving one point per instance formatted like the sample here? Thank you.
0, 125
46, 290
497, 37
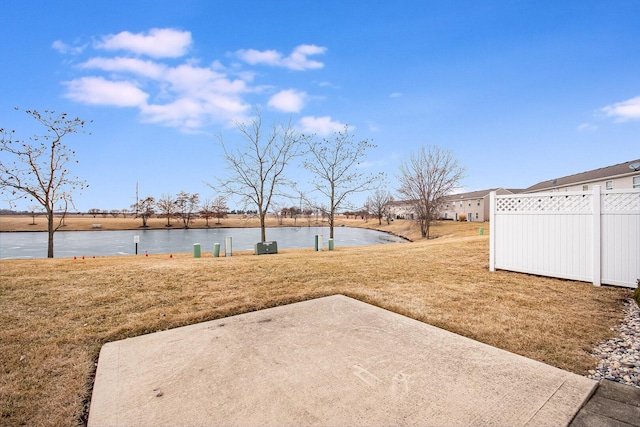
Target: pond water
103, 243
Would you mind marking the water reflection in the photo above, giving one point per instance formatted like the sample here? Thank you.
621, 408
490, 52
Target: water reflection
101, 243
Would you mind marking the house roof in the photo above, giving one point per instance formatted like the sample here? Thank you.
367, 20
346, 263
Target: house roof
618, 170
477, 194
399, 202
463, 196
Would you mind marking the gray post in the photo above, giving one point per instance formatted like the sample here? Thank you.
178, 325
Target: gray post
227, 246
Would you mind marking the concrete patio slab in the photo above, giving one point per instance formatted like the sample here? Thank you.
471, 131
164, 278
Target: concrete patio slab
330, 361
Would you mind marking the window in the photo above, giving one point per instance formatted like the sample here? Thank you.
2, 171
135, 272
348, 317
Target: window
478, 202
476, 215
636, 181
608, 185
585, 188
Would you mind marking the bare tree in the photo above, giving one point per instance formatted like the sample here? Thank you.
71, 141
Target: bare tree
94, 212
430, 175
167, 206
258, 164
34, 210
144, 209
220, 208
334, 164
363, 213
39, 168
378, 204
294, 211
279, 211
308, 214
388, 214
186, 206
114, 212
206, 210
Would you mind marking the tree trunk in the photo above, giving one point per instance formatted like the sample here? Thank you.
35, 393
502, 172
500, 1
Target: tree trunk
331, 221
50, 232
263, 231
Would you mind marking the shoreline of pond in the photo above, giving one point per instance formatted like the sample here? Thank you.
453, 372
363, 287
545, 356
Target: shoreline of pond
154, 241
205, 228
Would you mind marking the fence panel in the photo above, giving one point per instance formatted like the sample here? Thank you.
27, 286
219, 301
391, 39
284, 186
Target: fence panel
586, 236
620, 238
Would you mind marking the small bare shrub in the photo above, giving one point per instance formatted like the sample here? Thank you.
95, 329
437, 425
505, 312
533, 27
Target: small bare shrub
462, 217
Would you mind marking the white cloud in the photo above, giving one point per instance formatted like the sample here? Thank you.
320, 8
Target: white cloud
297, 59
289, 101
321, 125
158, 43
132, 65
187, 96
395, 95
65, 48
184, 112
190, 114
253, 57
96, 90
182, 93
625, 110
329, 85
587, 127
202, 81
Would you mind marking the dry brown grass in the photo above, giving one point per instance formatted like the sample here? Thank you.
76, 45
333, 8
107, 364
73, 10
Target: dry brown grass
56, 314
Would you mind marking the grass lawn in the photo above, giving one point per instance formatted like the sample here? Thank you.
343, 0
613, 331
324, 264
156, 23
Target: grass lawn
55, 314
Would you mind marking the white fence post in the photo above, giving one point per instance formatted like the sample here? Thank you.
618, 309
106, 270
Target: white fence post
597, 236
492, 231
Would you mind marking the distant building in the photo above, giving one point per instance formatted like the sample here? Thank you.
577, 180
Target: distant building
621, 176
401, 209
473, 205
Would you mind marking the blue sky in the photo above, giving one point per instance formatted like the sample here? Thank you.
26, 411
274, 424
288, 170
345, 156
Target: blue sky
519, 91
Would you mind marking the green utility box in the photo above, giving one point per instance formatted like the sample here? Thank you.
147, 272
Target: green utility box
264, 248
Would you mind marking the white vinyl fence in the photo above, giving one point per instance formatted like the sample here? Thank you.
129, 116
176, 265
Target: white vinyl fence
590, 236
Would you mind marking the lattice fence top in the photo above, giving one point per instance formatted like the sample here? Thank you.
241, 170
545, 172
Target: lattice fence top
544, 203
621, 202
612, 201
